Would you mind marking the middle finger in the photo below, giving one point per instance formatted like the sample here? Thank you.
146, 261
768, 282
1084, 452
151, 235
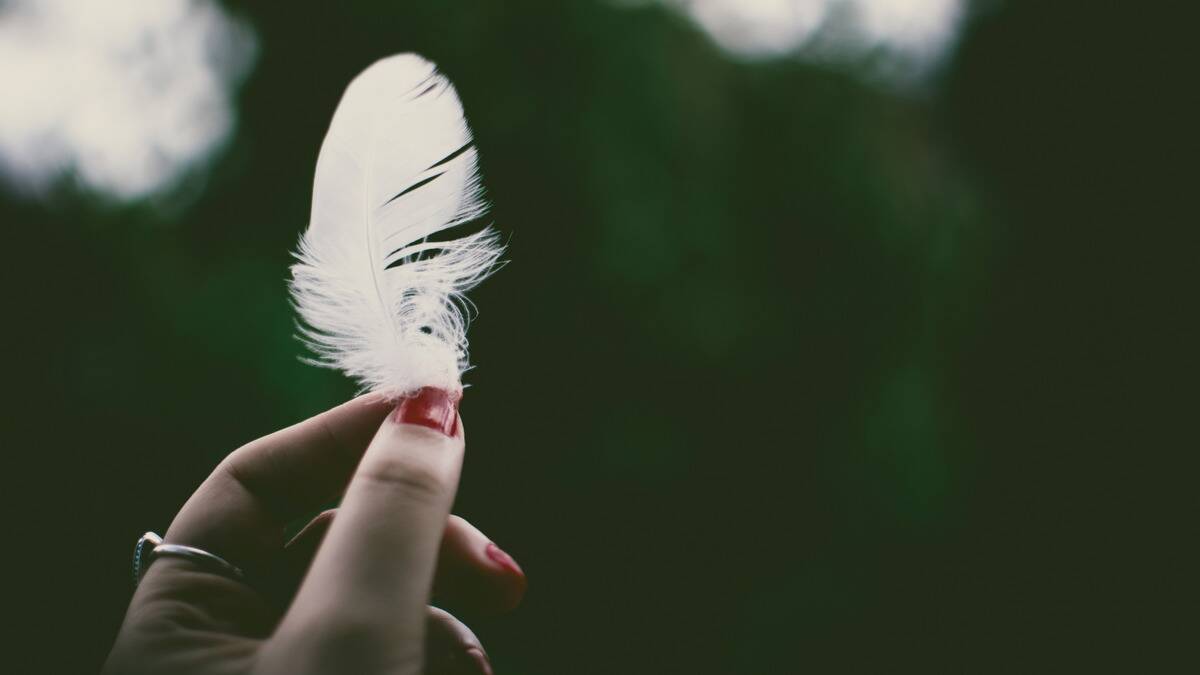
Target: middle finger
473, 574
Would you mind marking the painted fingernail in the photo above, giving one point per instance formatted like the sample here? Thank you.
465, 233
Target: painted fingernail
430, 407
503, 559
480, 660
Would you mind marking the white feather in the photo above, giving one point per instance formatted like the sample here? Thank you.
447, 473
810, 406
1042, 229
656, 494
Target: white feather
376, 298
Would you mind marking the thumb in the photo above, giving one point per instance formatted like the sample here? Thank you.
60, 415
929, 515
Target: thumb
370, 581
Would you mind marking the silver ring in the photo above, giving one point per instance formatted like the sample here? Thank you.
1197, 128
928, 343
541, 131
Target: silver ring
151, 547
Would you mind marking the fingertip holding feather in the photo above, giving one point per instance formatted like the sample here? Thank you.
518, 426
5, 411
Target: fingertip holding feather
380, 296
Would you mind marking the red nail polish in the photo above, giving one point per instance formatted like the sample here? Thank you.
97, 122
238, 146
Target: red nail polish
503, 559
430, 407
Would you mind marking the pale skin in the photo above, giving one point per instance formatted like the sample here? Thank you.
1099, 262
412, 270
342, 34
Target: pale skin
351, 592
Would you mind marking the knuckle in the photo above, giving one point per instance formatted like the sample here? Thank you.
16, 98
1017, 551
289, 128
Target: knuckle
412, 481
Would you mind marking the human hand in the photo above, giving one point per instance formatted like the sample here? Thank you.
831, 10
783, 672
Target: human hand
350, 592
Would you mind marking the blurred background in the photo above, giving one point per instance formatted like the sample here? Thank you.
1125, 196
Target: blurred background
838, 335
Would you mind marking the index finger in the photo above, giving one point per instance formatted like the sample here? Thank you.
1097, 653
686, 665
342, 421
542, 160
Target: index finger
375, 569
240, 510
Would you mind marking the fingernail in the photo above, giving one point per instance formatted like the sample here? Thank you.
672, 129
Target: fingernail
503, 559
430, 407
480, 660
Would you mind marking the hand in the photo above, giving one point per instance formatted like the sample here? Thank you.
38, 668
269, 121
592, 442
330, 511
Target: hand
350, 592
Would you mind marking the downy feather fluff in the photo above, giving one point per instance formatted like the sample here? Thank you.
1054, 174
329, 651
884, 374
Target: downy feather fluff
378, 298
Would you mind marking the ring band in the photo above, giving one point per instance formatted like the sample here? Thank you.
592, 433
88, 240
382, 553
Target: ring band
151, 547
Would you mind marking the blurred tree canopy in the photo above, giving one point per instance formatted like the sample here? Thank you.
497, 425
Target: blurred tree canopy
789, 372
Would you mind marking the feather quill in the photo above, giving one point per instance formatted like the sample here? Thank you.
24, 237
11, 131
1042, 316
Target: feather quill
378, 297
